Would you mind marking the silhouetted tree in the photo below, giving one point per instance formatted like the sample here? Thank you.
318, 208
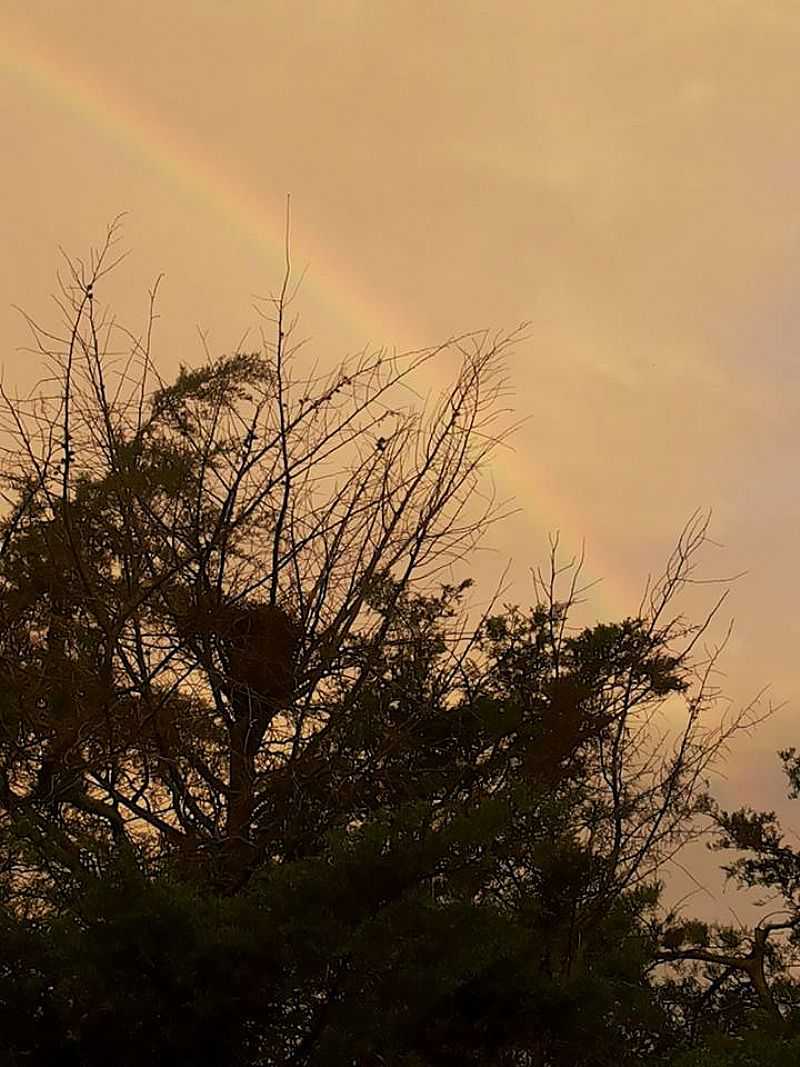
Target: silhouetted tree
737, 987
267, 794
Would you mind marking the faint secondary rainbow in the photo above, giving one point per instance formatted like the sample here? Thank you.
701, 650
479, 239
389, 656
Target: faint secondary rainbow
262, 224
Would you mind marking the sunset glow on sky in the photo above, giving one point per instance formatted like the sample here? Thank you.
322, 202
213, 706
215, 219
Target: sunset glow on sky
621, 175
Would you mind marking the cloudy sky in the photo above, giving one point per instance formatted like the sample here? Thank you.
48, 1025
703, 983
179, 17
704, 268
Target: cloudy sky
622, 175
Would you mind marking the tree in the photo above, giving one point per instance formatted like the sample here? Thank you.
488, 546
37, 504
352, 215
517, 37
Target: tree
740, 983
137, 519
267, 795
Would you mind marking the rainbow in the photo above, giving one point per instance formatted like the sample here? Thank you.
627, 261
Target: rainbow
261, 222
186, 166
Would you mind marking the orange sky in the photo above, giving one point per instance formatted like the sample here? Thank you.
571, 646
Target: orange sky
624, 175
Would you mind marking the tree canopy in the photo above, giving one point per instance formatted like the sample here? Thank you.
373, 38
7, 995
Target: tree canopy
272, 792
